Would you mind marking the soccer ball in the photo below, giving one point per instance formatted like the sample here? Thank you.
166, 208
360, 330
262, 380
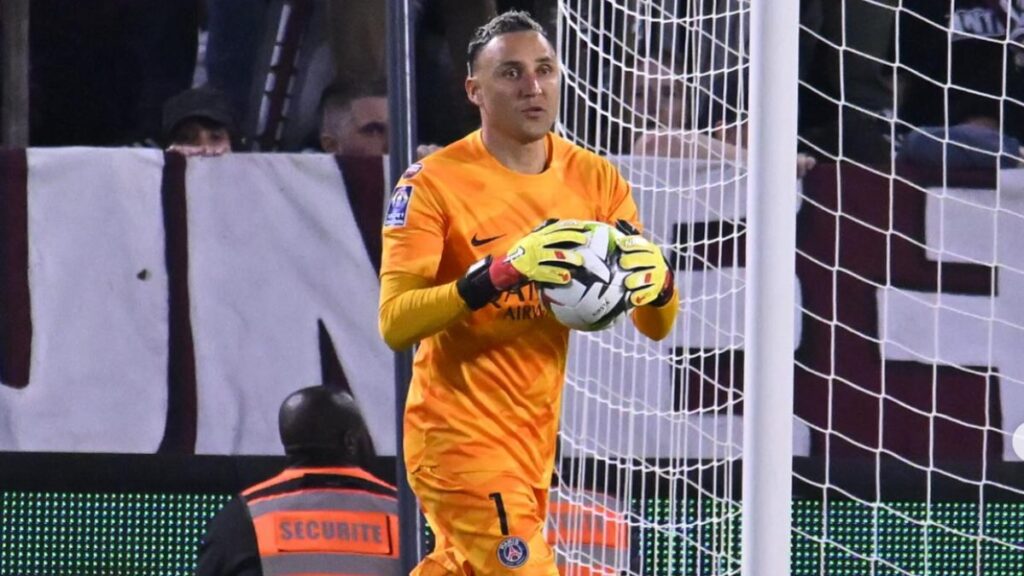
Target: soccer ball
595, 296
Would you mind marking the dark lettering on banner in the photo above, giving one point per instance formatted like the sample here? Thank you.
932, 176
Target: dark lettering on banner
181, 427
707, 380
15, 296
364, 185
703, 245
332, 374
874, 238
880, 230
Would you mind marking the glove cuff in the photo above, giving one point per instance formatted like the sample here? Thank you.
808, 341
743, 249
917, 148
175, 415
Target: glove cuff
665, 296
476, 287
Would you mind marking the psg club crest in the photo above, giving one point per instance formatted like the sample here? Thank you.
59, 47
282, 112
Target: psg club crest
513, 552
412, 170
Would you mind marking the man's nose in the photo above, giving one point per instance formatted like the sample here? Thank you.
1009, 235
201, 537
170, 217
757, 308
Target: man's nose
531, 85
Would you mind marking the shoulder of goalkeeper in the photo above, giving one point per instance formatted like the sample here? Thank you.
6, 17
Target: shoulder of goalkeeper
575, 155
434, 165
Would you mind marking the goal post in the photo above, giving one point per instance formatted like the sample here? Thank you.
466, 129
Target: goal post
771, 269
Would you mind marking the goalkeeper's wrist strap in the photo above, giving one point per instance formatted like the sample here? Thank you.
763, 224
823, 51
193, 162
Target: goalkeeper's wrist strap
665, 296
485, 281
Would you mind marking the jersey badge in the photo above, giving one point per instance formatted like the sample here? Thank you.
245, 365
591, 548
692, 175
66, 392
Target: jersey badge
513, 552
398, 207
412, 170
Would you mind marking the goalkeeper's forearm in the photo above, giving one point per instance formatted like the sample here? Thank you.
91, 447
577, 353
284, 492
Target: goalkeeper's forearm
656, 322
411, 309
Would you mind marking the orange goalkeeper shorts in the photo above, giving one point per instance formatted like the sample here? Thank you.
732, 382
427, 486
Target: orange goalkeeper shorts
484, 523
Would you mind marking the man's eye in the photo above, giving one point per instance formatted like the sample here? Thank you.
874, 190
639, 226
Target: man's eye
512, 73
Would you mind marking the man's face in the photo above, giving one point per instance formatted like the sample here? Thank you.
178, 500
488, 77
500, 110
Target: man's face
361, 130
515, 83
658, 96
203, 134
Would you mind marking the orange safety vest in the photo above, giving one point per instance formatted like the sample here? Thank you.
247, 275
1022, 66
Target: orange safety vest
341, 521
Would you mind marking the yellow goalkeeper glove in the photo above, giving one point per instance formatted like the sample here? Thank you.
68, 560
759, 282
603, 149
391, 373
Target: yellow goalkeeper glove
650, 282
544, 255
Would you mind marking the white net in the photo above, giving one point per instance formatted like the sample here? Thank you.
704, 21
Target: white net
909, 383
651, 430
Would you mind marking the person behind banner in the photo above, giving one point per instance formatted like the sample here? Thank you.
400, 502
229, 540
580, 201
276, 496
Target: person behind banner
469, 231
323, 514
658, 96
354, 120
199, 122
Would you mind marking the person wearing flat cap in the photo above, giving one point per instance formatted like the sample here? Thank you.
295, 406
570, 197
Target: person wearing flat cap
198, 122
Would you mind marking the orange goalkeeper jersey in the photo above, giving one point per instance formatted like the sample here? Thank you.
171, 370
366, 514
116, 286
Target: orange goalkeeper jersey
486, 391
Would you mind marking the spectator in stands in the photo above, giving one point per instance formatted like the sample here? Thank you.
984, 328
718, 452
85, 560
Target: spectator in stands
964, 89
357, 38
354, 119
658, 96
974, 45
974, 140
847, 90
323, 514
199, 122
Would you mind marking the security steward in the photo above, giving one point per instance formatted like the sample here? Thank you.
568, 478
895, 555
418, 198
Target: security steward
324, 514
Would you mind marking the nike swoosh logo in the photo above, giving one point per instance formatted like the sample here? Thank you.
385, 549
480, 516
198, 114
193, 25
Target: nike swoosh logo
481, 241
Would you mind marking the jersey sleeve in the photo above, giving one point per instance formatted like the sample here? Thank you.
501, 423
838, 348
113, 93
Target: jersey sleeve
414, 229
411, 309
619, 204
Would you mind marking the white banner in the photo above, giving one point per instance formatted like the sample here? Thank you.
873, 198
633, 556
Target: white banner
272, 248
230, 294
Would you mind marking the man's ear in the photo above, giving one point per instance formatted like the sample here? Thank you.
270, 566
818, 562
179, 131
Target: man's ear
473, 90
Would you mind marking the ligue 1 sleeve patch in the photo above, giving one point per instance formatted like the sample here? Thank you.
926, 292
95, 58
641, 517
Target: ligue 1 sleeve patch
398, 207
513, 552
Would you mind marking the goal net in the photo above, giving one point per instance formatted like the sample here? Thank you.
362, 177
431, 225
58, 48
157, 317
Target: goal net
908, 431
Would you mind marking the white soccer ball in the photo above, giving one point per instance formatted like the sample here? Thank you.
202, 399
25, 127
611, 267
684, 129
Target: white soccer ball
596, 296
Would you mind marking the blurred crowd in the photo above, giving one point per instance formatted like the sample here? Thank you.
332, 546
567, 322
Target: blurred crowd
935, 83
881, 81
211, 76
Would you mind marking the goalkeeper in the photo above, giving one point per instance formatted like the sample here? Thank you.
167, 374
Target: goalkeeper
459, 262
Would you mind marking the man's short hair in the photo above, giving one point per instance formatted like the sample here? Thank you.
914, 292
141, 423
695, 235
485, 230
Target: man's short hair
505, 23
339, 95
